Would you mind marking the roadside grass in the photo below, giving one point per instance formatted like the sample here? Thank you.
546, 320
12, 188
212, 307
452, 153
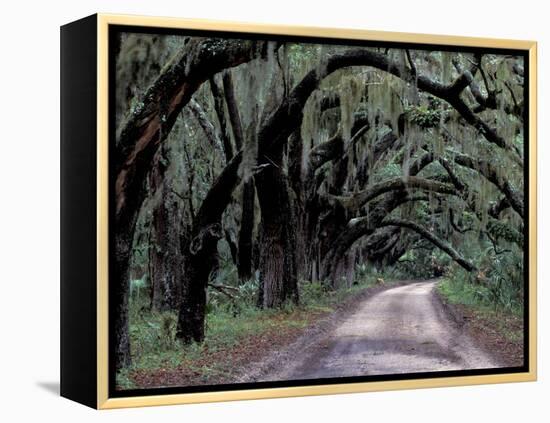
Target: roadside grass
460, 291
237, 332
502, 319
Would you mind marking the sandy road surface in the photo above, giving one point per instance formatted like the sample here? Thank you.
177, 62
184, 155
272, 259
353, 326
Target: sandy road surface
400, 330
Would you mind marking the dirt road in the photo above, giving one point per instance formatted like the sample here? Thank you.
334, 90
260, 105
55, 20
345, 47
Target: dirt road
404, 329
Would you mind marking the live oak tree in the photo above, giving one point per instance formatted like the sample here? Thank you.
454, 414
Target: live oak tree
298, 162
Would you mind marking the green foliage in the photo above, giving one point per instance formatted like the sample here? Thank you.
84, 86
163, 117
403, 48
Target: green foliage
427, 262
498, 287
123, 379
238, 294
458, 289
501, 230
152, 335
234, 301
362, 272
314, 293
390, 171
424, 116
502, 274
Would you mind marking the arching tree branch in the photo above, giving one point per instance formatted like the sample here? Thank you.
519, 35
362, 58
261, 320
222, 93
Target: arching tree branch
358, 200
430, 236
514, 197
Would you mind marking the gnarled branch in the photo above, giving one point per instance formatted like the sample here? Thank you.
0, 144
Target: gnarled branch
430, 236
358, 200
486, 169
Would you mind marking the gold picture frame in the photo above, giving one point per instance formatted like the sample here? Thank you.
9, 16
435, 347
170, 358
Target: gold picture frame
101, 314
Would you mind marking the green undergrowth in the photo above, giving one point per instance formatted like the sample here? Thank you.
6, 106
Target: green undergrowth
229, 322
500, 310
460, 288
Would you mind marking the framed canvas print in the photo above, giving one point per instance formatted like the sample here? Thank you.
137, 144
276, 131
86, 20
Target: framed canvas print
255, 211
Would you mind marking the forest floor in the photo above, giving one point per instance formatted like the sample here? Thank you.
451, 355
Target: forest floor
236, 345
391, 328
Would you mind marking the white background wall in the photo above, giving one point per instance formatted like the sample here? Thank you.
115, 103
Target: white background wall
29, 239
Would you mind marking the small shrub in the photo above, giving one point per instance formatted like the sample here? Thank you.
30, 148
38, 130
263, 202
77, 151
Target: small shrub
312, 292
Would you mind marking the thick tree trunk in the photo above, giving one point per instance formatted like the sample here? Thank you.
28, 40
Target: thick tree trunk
199, 260
166, 266
200, 255
278, 275
272, 266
